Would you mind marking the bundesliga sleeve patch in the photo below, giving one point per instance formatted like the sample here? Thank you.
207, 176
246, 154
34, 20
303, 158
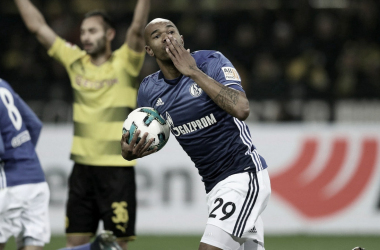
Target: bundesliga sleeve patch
231, 74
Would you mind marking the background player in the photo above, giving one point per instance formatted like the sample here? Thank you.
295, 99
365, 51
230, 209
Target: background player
202, 99
24, 193
102, 184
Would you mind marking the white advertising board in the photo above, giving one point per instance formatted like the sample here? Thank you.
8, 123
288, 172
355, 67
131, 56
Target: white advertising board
325, 180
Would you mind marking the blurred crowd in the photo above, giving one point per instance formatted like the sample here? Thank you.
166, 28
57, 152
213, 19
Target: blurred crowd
288, 53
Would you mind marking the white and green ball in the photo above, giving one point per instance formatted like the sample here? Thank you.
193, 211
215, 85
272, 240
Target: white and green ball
147, 119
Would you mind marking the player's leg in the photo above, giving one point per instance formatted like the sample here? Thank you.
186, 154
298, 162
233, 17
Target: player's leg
86, 246
117, 201
82, 213
235, 205
253, 245
204, 246
215, 238
104, 241
123, 244
77, 240
257, 243
35, 216
10, 210
32, 248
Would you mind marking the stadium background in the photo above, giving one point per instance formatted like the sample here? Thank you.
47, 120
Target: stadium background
311, 70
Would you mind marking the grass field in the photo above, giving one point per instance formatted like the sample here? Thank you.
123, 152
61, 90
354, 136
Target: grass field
299, 242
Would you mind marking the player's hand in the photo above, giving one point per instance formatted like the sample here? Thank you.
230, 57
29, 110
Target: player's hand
135, 150
181, 57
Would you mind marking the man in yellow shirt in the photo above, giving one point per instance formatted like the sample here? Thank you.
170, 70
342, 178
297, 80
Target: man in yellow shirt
102, 184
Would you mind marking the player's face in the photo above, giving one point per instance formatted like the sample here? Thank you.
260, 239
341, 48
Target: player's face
156, 34
93, 35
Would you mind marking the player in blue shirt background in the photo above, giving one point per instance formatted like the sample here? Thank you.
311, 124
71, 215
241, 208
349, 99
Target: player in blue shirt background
201, 97
24, 193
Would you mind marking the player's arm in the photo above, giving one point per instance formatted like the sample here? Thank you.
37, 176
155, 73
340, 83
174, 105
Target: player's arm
135, 33
232, 101
36, 23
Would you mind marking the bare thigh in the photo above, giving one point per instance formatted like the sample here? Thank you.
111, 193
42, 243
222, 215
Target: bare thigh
32, 248
204, 246
123, 244
77, 240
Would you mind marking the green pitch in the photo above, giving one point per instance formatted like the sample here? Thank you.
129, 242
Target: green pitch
299, 242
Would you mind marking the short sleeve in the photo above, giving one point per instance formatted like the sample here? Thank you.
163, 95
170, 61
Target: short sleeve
222, 70
65, 52
142, 97
132, 60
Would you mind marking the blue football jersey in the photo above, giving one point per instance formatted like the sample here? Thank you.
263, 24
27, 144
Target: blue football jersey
20, 129
219, 144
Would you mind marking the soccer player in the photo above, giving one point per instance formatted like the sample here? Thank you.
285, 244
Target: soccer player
102, 184
201, 97
24, 193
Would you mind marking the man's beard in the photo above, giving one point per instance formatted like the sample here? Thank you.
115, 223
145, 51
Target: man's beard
100, 48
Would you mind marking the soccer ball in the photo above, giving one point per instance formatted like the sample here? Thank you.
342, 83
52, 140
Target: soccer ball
147, 119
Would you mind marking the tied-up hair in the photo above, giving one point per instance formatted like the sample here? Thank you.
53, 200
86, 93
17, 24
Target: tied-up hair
108, 22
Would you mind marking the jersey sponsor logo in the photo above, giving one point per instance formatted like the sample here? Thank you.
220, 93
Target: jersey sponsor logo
20, 139
231, 74
159, 102
192, 126
82, 82
195, 90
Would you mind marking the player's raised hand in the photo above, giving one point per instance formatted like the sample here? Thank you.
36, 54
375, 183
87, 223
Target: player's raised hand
181, 57
133, 150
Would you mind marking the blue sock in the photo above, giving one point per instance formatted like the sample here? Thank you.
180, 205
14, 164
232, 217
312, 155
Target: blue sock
81, 247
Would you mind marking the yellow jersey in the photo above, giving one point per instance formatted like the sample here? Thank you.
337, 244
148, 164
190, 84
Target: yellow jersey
103, 97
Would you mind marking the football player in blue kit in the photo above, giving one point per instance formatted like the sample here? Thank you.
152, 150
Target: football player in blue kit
201, 96
24, 193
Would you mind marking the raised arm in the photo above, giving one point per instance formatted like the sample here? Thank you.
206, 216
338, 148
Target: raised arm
36, 23
135, 33
232, 101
